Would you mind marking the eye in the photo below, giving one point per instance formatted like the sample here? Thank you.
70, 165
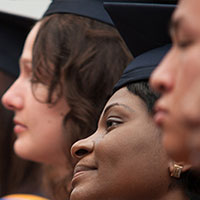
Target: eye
184, 44
33, 79
112, 122
28, 69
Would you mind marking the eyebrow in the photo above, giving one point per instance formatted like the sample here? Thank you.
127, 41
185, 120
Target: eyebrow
117, 104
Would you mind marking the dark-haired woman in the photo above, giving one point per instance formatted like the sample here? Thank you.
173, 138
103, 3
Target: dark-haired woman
68, 67
124, 159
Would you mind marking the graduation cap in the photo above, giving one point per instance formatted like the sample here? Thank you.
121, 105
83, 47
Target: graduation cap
13, 32
88, 8
142, 66
143, 24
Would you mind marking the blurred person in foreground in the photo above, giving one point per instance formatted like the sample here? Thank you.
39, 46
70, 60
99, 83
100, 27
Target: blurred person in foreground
177, 79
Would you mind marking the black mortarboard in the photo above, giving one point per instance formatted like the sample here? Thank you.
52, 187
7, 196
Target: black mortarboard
143, 24
88, 8
142, 66
13, 32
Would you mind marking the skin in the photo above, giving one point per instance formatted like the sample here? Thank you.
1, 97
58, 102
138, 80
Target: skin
124, 158
38, 126
177, 78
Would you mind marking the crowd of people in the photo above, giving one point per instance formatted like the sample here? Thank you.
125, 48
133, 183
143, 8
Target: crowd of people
84, 118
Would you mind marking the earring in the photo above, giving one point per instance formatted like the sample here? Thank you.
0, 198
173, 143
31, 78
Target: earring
176, 172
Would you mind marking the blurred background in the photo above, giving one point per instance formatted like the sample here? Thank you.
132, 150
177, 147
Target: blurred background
28, 8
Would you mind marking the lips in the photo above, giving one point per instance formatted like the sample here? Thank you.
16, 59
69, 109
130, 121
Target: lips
81, 170
19, 127
160, 115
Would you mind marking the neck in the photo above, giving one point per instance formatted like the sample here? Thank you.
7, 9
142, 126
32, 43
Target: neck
57, 181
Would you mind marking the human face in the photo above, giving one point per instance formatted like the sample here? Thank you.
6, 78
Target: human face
177, 78
38, 126
123, 159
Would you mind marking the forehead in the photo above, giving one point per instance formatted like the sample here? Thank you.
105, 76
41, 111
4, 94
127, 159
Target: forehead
125, 97
27, 51
188, 10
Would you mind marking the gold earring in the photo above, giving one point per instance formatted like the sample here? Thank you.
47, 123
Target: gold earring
176, 172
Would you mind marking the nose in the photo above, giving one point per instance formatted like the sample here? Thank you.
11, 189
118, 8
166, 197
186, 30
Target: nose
12, 100
82, 148
162, 79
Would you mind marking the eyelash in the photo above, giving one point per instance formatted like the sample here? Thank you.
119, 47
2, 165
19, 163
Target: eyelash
28, 70
184, 44
33, 80
109, 123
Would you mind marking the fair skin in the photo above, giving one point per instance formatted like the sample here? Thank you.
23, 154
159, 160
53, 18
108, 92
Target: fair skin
38, 126
177, 78
123, 159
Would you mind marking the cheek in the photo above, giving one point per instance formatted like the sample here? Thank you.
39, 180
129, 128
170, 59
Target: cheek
44, 144
40, 92
191, 61
46, 130
189, 68
188, 109
131, 151
51, 129
135, 165
176, 144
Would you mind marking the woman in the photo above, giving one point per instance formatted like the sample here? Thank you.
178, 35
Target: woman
59, 84
16, 174
124, 158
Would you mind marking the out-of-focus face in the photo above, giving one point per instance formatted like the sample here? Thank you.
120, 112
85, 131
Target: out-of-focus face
123, 159
177, 78
38, 126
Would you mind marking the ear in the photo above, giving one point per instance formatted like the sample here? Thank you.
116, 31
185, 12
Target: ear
176, 168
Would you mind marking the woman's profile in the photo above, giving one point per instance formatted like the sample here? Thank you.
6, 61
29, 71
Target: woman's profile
124, 158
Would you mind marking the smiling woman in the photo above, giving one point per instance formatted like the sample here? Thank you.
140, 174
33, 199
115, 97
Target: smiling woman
124, 159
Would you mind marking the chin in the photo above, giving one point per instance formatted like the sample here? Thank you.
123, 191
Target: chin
76, 195
81, 193
21, 153
21, 150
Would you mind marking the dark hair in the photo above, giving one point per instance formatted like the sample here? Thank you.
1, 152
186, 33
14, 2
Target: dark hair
189, 180
81, 59
16, 174
143, 90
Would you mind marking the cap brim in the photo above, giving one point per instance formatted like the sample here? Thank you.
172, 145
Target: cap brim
13, 32
143, 26
88, 8
141, 67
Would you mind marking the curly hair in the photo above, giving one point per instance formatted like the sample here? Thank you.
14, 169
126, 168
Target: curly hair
81, 59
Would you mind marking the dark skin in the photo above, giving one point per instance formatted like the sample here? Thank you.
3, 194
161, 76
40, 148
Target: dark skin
123, 159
